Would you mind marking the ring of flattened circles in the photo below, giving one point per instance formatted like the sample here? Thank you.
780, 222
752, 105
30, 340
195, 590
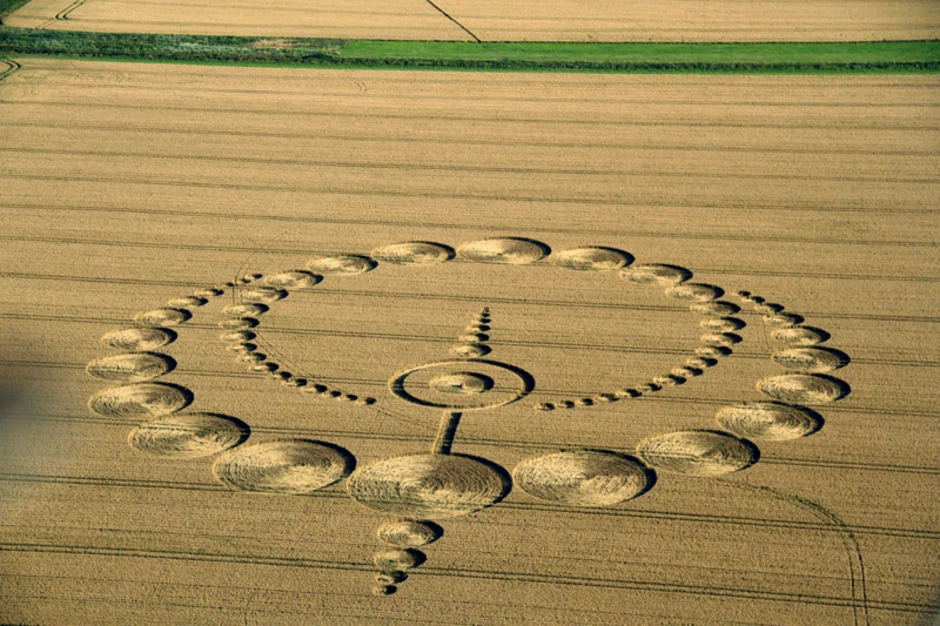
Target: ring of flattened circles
428, 486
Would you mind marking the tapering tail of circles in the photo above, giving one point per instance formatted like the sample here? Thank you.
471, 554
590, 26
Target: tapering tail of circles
715, 344
404, 536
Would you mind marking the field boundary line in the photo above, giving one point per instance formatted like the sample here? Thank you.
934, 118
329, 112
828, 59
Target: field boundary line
451, 18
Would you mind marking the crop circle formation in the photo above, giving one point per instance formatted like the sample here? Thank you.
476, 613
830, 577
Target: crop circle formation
418, 488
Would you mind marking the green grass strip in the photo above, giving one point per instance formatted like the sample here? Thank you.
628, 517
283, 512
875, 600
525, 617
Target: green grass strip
736, 58
8, 6
664, 53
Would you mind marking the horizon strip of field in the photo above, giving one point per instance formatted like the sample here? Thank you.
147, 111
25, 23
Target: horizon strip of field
883, 57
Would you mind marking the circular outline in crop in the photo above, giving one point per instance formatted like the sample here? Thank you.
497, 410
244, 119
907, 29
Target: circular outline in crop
525, 380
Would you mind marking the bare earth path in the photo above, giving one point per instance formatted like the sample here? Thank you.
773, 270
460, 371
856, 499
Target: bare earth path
529, 20
128, 186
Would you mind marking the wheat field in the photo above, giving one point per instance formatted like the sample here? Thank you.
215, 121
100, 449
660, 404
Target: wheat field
459, 20
561, 349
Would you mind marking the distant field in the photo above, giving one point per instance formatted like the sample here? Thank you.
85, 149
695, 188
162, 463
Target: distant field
801, 212
395, 19
696, 20
529, 20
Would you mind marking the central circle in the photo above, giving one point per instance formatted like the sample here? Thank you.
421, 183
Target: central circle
465, 383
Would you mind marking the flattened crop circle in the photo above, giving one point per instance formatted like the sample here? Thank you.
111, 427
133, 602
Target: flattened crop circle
409, 534
341, 265
140, 400
698, 453
582, 477
505, 251
803, 388
189, 435
134, 367
288, 467
414, 253
429, 486
138, 339
463, 383
770, 421
592, 259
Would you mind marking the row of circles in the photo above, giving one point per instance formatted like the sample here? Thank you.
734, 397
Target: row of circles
716, 343
767, 420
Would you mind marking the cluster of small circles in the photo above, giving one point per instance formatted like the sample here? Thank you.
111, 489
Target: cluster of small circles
806, 362
404, 537
718, 332
473, 342
240, 321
